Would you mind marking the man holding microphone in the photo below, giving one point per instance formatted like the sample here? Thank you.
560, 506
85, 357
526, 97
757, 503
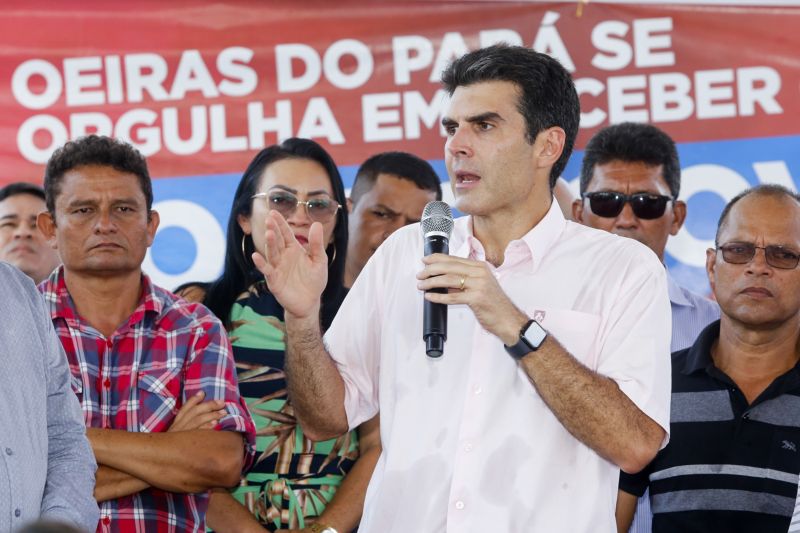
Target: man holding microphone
553, 375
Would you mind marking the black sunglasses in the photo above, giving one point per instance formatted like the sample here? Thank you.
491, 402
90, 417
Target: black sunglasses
645, 205
741, 253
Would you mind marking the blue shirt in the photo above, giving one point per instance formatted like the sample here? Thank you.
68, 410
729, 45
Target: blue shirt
691, 313
47, 467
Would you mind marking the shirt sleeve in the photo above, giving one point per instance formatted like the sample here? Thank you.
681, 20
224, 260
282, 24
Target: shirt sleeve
635, 484
69, 490
635, 349
211, 368
354, 339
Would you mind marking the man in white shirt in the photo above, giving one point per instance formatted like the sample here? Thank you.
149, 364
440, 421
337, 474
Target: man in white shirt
522, 424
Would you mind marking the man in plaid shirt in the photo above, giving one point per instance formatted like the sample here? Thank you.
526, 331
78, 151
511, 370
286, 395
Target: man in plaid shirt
154, 374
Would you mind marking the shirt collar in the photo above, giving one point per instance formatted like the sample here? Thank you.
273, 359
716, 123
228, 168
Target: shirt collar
699, 356
676, 294
699, 359
538, 240
61, 305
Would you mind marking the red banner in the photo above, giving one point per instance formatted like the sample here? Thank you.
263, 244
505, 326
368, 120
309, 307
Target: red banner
199, 87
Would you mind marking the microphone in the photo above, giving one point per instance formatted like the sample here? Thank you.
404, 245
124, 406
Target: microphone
436, 225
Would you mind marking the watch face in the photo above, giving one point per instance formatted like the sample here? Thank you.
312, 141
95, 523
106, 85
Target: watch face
535, 334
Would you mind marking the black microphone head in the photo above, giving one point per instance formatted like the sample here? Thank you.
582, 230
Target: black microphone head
437, 219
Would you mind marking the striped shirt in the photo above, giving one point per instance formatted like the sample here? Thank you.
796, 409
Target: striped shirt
138, 378
729, 466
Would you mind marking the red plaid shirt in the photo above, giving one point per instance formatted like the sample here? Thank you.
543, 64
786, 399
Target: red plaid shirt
138, 378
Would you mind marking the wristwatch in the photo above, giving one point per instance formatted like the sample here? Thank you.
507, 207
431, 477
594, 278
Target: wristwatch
531, 336
321, 528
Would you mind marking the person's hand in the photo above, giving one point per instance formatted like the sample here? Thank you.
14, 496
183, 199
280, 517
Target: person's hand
472, 283
295, 277
197, 414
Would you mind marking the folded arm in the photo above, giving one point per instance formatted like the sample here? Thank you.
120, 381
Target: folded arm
181, 461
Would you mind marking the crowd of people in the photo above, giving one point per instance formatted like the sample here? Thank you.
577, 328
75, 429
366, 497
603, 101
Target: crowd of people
293, 392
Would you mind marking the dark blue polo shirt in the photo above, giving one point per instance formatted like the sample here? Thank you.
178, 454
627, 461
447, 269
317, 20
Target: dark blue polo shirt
729, 466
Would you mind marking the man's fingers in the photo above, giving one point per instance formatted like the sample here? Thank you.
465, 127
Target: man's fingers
284, 231
194, 399
449, 298
274, 247
262, 265
316, 245
462, 267
444, 281
450, 259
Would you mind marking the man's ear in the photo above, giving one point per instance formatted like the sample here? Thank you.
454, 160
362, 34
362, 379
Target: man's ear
153, 220
678, 216
47, 225
711, 265
577, 210
551, 146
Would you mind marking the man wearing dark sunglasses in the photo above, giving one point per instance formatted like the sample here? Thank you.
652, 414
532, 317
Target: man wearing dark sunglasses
630, 180
732, 462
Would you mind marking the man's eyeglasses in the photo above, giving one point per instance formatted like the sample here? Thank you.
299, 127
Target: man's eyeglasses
741, 253
318, 209
609, 204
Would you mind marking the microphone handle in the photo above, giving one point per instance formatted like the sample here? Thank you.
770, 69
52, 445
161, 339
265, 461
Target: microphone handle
434, 316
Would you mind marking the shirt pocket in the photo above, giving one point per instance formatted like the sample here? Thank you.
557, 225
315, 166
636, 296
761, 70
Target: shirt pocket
159, 397
576, 331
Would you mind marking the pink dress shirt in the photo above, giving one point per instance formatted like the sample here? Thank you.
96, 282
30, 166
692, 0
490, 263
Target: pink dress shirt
468, 443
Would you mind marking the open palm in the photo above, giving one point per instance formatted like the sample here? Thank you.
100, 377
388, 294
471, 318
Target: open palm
295, 277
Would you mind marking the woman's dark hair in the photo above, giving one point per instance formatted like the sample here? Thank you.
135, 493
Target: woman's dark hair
239, 273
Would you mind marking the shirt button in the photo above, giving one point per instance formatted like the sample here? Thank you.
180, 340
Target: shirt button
107, 383
106, 520
468, 447
9, 451
17, 513
477, 389
459, 505
109, 343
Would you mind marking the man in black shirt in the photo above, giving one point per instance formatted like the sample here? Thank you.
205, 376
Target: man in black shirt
732, 462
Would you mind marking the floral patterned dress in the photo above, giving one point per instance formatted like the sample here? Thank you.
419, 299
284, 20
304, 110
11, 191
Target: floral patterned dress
293, 478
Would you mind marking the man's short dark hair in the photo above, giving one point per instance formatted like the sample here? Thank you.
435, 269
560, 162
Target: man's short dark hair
401, 164
633, 143
21, 187
547, 93
767, 189
95, 150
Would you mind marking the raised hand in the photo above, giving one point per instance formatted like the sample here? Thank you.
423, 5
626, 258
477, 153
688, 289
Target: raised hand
295, 277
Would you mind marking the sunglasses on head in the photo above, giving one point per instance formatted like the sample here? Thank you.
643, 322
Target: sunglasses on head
645, 205
741, 253
318, 209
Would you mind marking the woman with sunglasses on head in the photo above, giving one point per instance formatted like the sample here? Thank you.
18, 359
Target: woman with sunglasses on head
295, 484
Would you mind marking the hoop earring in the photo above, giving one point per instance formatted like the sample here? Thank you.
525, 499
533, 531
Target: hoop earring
332, 259
244, 253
